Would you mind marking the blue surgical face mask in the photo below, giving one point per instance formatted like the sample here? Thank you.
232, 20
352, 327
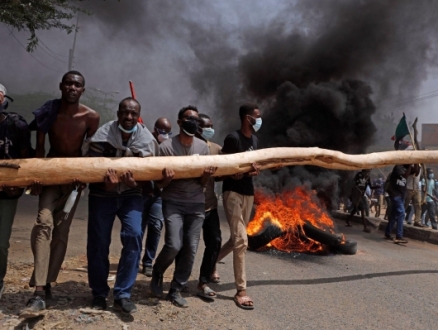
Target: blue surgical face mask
430, 175
132, 130
207, 133
258, 124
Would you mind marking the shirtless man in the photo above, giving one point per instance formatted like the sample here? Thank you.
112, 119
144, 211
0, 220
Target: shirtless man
67, 123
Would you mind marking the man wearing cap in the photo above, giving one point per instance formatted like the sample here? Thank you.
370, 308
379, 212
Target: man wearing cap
14, 143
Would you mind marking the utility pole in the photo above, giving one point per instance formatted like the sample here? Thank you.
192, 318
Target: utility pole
71, 51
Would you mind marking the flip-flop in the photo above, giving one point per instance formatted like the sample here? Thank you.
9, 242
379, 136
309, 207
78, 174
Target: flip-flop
205, 293
215, 278
243, 300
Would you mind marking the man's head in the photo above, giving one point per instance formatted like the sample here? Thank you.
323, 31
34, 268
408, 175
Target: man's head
188, 120
3, 101
250, 116
205, 131
72, 86
128, 114
430, 174
162, 129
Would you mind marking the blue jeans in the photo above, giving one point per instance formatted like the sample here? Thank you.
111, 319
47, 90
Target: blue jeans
396, 216
153, 219
8, 208
102, 212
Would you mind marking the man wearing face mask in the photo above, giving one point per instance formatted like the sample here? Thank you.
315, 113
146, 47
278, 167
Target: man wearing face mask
14, 143
153, 213
211, 227
238, 198
431, 198
183, 209
119, 195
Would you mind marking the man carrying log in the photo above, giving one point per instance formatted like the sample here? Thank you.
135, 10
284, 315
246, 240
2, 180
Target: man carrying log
67, 123
211, 227
14, 143
183, 209
238, 199
153, 210
120, 195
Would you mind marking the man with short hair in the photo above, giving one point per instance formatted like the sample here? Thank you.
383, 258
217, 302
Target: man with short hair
238, 198
413, 194
121, 196
153, 211
358, 198
14, 143
183, 209
431, 198
67, 123
211, 227
397, 192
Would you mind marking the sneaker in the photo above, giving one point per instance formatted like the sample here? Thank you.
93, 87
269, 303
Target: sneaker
417, 224
157, 284
2, 288
147, 270
99, 303
34, 307
388, 237
125, 305
400, 240
174, 296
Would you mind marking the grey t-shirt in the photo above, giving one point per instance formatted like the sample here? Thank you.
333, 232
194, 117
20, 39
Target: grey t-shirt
183, 190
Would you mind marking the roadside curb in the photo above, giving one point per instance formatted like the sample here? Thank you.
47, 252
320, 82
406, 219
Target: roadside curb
409, 231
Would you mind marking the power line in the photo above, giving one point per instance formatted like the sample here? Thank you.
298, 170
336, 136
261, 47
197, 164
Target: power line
51, 55
11, 33
54, 53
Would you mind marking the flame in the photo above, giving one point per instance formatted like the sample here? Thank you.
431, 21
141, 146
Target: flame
289, 211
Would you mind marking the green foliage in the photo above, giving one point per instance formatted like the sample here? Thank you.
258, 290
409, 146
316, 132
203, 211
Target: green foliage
34, 15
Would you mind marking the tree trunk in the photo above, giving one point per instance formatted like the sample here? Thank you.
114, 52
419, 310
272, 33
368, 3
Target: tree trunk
50, 171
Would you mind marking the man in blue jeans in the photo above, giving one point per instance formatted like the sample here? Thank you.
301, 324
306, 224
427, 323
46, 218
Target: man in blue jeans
121, 196
153, 212
397, 192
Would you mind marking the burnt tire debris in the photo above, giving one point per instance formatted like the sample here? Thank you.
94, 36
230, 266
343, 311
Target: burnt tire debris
334, 242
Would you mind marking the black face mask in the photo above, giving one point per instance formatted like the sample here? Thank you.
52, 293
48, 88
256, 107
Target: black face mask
4, 106
190, 126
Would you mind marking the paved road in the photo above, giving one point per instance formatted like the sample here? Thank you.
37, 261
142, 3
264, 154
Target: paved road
384, 286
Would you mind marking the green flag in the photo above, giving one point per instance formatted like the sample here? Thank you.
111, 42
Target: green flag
402, 129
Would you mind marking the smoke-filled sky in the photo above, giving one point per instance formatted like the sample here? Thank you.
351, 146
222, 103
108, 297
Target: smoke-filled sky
340, 62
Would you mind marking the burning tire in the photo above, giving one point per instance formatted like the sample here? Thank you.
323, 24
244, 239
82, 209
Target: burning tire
321, 236
269, 233
347, 247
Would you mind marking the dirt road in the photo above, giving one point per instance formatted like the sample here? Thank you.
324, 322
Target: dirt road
384, 286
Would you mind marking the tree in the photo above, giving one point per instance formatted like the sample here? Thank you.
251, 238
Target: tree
35, 15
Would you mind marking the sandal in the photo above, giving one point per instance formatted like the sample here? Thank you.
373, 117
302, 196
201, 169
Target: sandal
241, 301
206, 293
215, 278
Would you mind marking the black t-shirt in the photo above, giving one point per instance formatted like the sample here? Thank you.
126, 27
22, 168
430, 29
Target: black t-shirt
361, 182
14, 139
234, 143
397, 181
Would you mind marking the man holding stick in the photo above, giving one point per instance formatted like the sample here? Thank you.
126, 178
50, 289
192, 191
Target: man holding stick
121, 196
67, 123
238, 199
183, 209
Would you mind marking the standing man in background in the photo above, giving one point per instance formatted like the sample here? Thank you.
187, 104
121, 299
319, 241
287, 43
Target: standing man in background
211, 227
152, 217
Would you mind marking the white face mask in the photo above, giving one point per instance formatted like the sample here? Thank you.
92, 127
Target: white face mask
162, 137
258, 123
207, 133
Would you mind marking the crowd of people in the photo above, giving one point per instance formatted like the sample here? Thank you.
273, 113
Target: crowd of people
408, 196
183, 207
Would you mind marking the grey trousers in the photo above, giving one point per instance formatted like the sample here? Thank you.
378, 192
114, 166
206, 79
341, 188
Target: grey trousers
183, 223
8, 207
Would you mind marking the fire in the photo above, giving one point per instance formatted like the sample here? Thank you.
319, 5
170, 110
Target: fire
289, 211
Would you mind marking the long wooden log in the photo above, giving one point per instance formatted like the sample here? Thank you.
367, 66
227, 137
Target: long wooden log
49, 171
